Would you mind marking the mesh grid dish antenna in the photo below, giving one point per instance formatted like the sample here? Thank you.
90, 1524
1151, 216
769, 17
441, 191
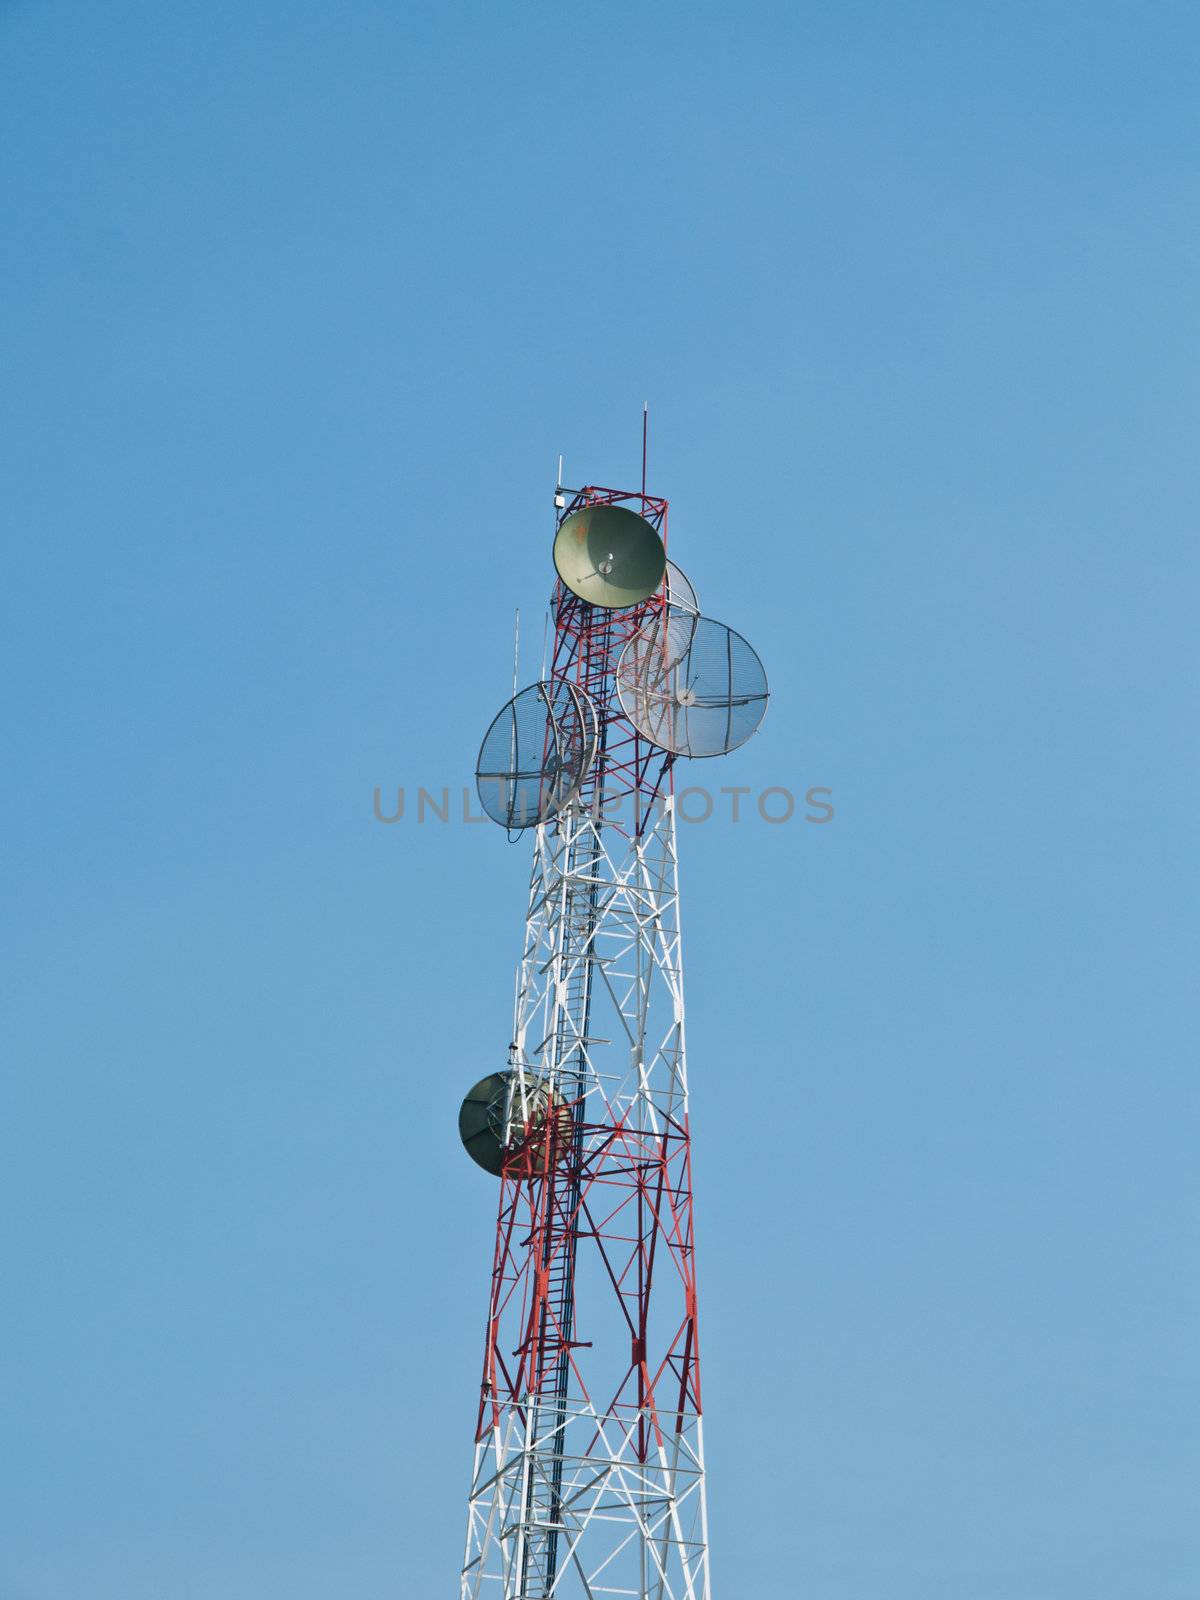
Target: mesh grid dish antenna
535, 754
678, 589
691, 685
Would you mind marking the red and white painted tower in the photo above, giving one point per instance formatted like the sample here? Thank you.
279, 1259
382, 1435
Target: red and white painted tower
588, 1476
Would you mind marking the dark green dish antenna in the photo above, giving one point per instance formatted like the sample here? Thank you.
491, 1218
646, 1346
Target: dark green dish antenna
481, 1121
609, 556
506, 1110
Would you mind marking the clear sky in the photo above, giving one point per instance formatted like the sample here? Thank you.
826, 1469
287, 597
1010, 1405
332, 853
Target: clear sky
300, 303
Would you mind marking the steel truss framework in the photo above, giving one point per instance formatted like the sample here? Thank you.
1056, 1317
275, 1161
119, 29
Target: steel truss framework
589, 1462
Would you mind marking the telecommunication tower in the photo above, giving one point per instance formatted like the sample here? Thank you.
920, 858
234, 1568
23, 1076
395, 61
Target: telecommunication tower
588, 1476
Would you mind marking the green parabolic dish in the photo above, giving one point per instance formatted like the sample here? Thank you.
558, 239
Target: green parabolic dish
609, 556
476, 1130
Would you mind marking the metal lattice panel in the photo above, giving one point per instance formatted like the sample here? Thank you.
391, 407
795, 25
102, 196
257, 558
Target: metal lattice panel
589, 1462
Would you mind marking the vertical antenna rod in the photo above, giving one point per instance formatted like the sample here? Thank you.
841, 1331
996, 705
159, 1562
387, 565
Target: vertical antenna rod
645, 432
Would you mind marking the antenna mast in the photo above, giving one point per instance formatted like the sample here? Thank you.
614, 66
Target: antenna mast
588, 1477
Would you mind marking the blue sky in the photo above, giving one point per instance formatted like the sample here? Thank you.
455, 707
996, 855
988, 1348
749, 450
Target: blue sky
300, 304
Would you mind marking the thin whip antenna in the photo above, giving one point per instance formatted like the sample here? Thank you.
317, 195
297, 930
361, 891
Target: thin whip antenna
558, 480
516, 649
545, 641
645, 435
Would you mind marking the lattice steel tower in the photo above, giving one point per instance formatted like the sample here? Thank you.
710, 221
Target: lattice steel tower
588, 1478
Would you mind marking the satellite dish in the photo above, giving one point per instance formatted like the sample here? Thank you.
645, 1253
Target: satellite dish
536, 754
609, 556
678, 589
691, 685
505, 1111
